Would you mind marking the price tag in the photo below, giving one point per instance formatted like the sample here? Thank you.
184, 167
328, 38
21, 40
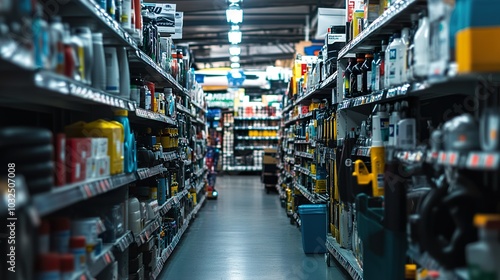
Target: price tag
473, 160
453, 159
88, 192
107, 258
491, 161
442, 158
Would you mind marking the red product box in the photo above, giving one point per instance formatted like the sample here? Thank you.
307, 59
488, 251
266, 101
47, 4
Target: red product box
77, 152
304, 110
60, 159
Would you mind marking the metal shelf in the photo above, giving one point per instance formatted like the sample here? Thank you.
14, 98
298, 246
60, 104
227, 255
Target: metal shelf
199, 107
314, 198
302, 142
167, 252
144, 173
147, 232
169, 204
124, 242
304, 155
256, 138
243, 168
297, 219
243, 148
200, 121
200, 186
426, 261
61, 197
288, 108
345, 258
257, 118
146, 114
51, 89
256, 127
400, 10
102, 261
319, 88
183, 109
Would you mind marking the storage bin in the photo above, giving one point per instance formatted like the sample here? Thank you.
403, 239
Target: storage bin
313, 228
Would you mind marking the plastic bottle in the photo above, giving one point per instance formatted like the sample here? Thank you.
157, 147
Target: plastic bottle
421, 58
77, 248
373, 77
113, 75
126, 17
393, 121
380, 69
99, 79
41, 48
403, 56
383, 116
367, 74
411, 49
111, 8
396, 50
387, 80
124, 73
57, 45
48, 267
406, 130
121, 116
347, 79
483, 255
357, 77
85, 36
70, 56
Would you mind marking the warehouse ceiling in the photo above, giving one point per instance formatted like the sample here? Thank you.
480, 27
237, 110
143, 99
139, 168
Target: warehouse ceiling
270, 29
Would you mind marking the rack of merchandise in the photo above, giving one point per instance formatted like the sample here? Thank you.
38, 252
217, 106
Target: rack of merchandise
112, 178
254, 130
405, 140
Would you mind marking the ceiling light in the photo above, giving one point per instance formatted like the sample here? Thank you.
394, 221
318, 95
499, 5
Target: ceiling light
235, 59
234, 14
234, 50
235, 1
235, 65
234, 35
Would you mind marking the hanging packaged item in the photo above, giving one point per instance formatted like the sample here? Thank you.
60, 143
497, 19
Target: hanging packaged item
440, 46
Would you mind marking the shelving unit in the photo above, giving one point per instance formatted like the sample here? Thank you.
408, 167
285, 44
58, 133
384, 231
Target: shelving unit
51, 100
332, 138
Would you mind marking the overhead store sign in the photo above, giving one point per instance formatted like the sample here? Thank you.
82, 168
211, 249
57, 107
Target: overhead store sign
165, 16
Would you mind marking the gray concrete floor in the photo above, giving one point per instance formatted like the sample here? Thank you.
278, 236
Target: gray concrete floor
244, 235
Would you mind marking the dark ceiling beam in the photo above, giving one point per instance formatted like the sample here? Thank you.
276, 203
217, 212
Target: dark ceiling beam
245, 58
251, 22
263, 14
248, 42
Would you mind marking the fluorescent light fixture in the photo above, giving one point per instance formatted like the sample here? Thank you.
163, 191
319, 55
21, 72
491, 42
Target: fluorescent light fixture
234, 35
234, 14
235, 1
235, 65
234, 50
235, 59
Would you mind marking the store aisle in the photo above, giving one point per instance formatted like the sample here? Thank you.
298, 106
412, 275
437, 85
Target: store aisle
245, 235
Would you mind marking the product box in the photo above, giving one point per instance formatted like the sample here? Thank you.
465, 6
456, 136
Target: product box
179, 22
77, 152
268, 151
102, 147
165, 16
267, 159
60, 159
91, 168
103, 166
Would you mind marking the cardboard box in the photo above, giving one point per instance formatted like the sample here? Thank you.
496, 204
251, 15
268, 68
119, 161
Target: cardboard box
270, 151
102, 148
103, 166
269, 160
91, 168
77, 152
